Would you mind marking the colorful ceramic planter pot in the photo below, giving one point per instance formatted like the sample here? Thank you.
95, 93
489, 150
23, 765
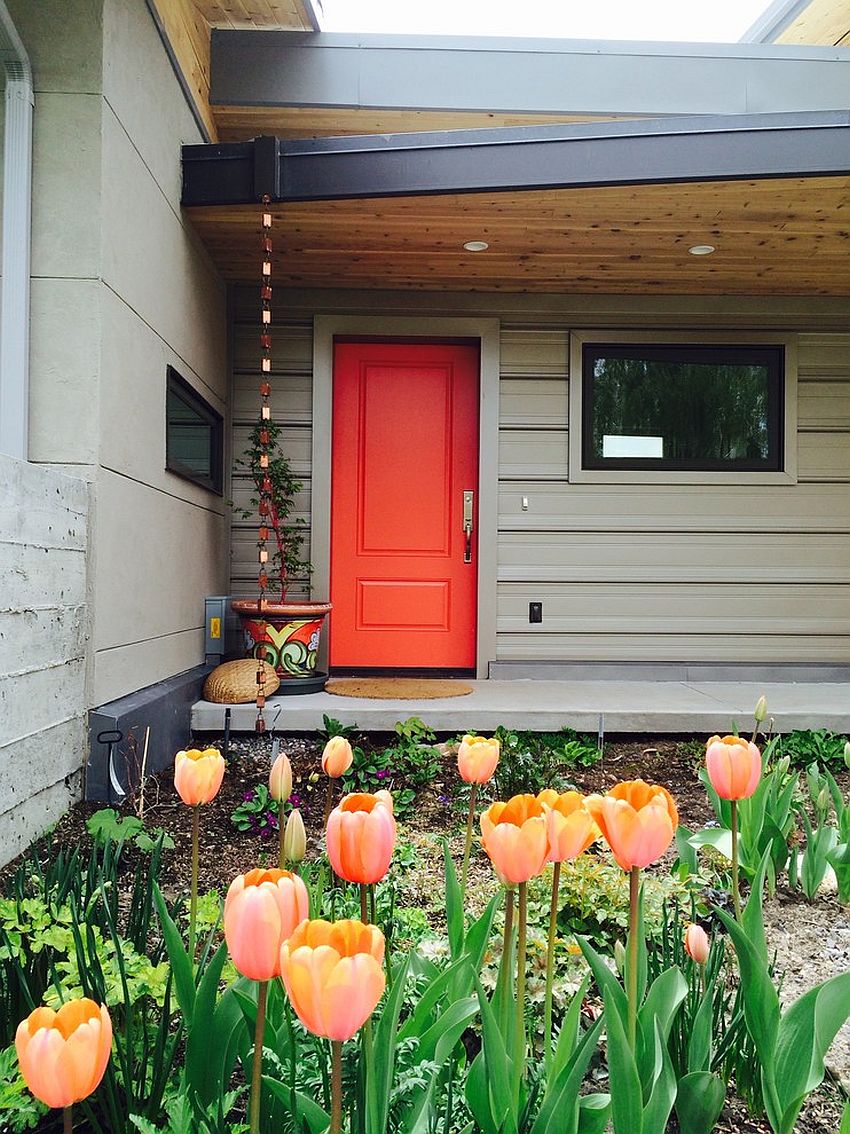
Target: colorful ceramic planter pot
286, 635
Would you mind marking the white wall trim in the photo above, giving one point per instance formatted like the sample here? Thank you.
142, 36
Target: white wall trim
579, 475
17, 212
328, 327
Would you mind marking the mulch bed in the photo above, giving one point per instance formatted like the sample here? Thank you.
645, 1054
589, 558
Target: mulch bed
226, 852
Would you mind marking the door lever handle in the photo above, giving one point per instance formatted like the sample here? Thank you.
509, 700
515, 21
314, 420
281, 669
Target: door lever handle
468, 504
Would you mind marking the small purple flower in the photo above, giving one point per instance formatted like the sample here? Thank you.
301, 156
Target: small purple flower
295, 799
248, 796
382, 773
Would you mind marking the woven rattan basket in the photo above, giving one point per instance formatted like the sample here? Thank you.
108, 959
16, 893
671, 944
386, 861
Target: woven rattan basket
235, 682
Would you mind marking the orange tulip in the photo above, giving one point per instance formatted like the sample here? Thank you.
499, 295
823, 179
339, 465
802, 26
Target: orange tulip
280, 779
261, 911
63, 1055
696, 944
198, 775
514, 836
637, 820
333, 975
337, 757
361, 838
569, 825
733, 765
477, 759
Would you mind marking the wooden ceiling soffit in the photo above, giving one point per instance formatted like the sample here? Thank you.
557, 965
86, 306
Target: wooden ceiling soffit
822, 22
772, 237
186, 34
613, 153
284, 15
241, 123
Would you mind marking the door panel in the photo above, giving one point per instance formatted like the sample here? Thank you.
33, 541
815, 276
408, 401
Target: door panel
405, 448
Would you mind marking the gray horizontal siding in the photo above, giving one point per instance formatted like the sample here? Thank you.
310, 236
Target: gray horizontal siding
628, 571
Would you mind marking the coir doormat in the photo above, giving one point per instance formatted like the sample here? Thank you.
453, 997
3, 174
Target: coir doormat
396, 688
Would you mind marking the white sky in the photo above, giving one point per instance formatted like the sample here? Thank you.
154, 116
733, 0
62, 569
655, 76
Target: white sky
706, 21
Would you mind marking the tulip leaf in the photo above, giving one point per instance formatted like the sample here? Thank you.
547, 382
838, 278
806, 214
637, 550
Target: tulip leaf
560, 1103
436, 1044
662, 1002
478, 937
718, 837
699, 1101
317, 1119
454, 905
626, 1095
663, 1092
181, 965
752, 918
593, 1114
569, 1033
805, 1033
699, 1045
845, 1120
437, 990
477, 1093
605, 979
497, 1063
201, 1042
379, 1078
685, 849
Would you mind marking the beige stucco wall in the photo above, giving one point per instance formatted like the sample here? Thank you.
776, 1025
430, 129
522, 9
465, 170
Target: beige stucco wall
626, 572
108, 555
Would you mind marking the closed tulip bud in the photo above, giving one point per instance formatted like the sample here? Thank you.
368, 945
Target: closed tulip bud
261, 911
760, 711
361, 838
63, 1055
515, 838
313, 778
477, 759
198, 775
637, 820
822, 801
294, 837
782, 766
280, 779
847, 754
697, 944
733, 765
337, 757
333, 975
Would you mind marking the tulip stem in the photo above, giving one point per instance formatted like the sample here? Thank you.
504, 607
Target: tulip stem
193, 900
373, 909
519, 1071
504, 971
281, 857
364, 903
550, 963
257, 1074
336, 1087
632, 960
329, 798
736, 893
470, 819
67, 1124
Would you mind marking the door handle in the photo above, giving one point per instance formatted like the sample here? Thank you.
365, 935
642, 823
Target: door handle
468, 503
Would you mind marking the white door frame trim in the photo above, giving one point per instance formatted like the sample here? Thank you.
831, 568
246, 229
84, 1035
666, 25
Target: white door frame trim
328, 327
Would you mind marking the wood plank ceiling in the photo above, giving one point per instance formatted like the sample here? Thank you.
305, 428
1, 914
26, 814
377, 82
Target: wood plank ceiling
823, 22
777, 237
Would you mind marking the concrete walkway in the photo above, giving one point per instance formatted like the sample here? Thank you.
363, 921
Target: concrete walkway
648, 707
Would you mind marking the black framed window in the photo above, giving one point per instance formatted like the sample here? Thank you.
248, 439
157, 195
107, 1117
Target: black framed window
682, 407
194, 435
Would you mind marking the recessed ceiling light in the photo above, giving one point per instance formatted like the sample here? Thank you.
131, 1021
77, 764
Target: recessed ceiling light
701, 249
476, 246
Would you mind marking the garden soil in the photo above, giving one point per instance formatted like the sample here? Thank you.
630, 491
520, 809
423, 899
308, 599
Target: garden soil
811, 940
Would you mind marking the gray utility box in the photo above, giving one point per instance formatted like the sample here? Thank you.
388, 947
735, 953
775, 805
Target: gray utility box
223, 636
117, 734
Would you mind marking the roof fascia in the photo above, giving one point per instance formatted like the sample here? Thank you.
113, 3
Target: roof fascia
725, 148
272, 68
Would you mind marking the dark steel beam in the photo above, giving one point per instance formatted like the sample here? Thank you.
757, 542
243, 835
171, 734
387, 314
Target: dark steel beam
727, 148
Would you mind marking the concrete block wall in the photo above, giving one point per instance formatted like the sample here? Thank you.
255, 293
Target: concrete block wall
43, 640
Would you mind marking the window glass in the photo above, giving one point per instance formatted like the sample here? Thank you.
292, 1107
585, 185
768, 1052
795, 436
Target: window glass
682, 407
193, 435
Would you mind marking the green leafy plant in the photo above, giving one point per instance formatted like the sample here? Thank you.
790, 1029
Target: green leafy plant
791, 1044
332, 727
256, 813
106, 826
289, 530
19, 1111
806, 745
532, 761
821, 838
403, 768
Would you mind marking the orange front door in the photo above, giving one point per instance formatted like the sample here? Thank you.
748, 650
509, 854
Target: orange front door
405, 450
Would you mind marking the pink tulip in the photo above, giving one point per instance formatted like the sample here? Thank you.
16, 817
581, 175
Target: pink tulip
696, 944
261, 911
733, 765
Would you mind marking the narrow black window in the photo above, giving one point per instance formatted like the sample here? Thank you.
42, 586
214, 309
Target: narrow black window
194, 435
682, 407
